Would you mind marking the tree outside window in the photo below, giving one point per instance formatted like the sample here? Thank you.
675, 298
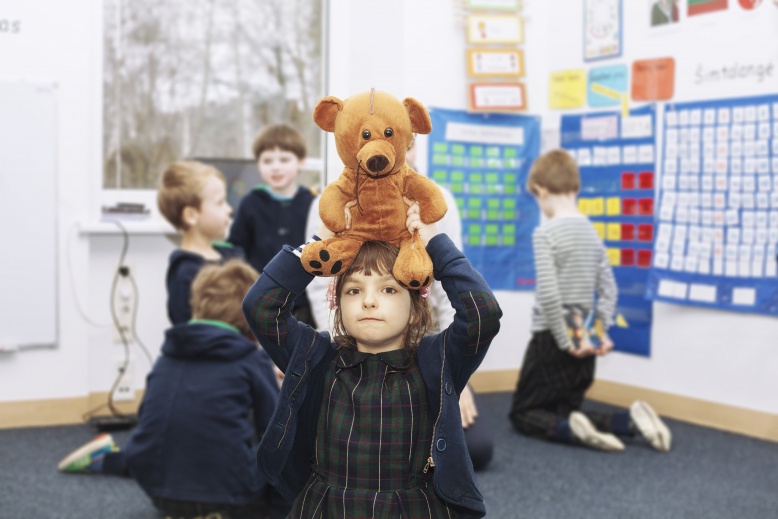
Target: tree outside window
200, 78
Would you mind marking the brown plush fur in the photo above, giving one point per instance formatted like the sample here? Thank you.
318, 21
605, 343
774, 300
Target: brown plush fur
376, 176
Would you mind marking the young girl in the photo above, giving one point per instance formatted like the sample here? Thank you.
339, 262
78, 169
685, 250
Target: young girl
368, 424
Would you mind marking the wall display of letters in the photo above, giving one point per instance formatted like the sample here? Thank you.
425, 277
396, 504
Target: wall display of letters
484, 161
718, 211
616, 157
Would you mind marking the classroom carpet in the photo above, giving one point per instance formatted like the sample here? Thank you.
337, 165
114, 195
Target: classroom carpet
708, 474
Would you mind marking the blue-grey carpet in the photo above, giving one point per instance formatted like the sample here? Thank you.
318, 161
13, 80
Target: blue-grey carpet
709, 474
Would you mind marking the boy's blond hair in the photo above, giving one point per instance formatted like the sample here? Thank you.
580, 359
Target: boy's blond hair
281, 136
218, 292
555, 171
181, 186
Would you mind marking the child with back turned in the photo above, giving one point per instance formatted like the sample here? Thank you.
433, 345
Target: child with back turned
571, 264
274, 214
193, 198
368, 422
208, 398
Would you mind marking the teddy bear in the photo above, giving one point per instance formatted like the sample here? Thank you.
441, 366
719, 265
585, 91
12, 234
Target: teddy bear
373, 130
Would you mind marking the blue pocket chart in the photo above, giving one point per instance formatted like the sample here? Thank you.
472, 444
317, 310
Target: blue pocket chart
616, 156
484, 161
717, 224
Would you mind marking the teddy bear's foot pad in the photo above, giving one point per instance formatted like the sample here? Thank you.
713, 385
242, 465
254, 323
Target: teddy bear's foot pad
322, 267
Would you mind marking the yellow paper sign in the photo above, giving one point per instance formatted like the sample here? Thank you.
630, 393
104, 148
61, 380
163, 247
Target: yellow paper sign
567, 89
613, 206
596, 207
614, 232
599, 228
614, 255
583, 206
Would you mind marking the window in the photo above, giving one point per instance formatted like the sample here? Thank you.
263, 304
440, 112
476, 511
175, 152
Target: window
199, 78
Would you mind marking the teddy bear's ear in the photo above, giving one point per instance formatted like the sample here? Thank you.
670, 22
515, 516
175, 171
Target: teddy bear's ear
326, 112
420, 119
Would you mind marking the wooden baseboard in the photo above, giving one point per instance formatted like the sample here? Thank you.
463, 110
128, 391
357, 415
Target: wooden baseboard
61, 411
756, 424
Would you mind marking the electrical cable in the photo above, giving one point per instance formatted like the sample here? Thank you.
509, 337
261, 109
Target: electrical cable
122, 270
135, 319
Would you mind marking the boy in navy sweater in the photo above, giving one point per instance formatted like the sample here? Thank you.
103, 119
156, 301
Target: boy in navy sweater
193, 198
192, 450
274, 214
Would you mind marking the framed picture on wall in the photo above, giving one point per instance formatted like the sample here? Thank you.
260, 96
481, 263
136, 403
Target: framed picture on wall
602, 29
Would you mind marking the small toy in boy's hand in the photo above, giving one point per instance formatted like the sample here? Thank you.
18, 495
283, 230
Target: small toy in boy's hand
583, 325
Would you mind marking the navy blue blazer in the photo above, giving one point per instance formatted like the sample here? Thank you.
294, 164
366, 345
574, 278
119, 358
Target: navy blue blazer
446, 361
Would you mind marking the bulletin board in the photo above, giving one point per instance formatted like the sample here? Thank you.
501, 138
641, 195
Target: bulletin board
28, 214
616, 157
718, 216
484, 161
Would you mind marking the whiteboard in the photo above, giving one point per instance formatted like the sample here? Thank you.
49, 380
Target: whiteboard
28, 214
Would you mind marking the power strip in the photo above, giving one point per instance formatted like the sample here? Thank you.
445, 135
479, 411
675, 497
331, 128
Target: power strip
113, 423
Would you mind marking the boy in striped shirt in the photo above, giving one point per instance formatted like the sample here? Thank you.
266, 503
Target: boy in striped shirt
571, 265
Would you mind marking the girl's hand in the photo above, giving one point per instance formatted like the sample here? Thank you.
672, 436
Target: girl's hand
324, 233
467, 408
347, 213
413, 222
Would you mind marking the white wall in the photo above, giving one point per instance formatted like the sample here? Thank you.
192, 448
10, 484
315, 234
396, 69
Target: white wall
56, 43
61, 43
410, 49
417, 49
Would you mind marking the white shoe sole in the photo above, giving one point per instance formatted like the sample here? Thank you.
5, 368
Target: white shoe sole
650, 426
101, 442
583, 429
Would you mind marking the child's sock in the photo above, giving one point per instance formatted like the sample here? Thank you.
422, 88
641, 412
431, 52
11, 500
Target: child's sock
622, 424
562, 432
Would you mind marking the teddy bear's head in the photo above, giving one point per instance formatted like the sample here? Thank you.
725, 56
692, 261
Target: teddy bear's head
373, 130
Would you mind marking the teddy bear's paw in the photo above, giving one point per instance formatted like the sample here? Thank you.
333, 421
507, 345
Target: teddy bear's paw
411, 283
322, 264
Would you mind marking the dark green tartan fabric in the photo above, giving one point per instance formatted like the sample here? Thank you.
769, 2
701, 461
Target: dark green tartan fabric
373, 441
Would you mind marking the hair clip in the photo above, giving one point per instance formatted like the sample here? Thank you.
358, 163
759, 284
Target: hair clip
425, 292
332, 296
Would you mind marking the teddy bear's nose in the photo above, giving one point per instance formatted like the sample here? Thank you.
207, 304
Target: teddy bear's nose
377, 163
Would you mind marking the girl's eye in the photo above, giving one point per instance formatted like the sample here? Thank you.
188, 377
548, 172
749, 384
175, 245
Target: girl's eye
352, 291
390, 290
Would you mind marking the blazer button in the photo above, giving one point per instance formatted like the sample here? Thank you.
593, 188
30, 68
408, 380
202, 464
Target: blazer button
441, 444
448, 388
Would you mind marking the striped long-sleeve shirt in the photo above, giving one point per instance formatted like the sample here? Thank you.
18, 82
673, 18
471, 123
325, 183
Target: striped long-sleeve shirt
570, 264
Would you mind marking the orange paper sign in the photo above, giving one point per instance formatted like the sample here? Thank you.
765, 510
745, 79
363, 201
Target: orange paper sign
653, 79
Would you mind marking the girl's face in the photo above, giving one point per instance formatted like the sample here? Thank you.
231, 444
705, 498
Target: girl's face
375, 311
279, 169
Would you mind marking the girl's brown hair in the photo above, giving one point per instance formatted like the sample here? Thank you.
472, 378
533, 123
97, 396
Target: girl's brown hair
377, 257
218, 292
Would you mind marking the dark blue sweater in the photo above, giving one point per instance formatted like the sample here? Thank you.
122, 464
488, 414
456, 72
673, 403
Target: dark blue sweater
265, 224
194, 440
446, 361
182, 268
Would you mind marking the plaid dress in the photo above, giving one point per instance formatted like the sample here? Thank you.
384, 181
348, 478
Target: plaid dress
373, 440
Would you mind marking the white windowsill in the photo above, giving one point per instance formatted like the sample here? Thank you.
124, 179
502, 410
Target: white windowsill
146, 227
